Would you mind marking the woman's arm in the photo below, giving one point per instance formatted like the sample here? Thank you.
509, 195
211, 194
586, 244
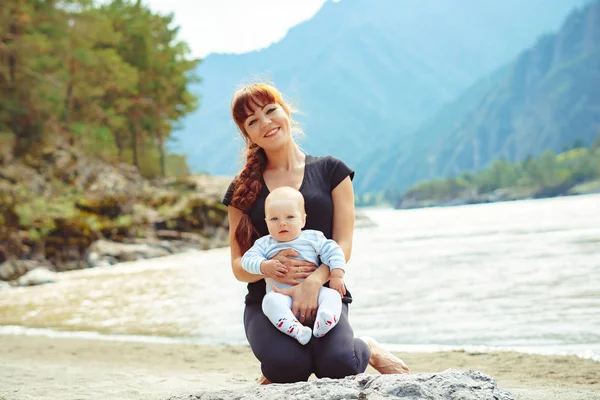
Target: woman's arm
343, 215
240, 274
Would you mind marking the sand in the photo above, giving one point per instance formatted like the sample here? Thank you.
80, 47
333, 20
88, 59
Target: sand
40, 367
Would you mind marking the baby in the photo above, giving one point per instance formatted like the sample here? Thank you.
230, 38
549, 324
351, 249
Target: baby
285, 216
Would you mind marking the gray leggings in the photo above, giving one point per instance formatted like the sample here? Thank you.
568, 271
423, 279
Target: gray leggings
284, 360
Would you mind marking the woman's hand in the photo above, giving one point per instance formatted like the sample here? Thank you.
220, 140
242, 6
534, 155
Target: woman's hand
296, 269
305, 297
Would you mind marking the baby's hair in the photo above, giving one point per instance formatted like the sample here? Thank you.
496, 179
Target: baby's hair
286, 192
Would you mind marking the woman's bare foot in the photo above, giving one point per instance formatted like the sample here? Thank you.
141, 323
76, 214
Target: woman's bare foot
383, 360
262, 380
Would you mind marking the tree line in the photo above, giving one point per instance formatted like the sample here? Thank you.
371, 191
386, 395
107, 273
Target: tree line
549, 174
111, 78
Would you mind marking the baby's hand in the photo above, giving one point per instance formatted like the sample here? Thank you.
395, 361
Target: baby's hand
273, 269
338, 284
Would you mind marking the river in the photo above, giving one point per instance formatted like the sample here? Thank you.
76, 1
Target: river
521, 275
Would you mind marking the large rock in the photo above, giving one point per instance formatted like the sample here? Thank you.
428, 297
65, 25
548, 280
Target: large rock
362, 221
104, 252
37, 276
211, 187
450, 384
13, 269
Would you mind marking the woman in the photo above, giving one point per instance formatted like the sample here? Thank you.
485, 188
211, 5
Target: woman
273, 159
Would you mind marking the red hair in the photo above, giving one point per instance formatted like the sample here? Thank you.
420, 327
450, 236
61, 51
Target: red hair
249, 181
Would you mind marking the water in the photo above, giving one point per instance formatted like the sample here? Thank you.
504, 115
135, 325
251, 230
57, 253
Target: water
520, 275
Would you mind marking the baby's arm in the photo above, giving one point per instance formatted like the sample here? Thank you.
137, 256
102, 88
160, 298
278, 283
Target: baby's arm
332, 255
336, 281
255, 261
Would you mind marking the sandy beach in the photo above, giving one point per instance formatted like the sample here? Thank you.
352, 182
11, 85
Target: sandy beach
40, 367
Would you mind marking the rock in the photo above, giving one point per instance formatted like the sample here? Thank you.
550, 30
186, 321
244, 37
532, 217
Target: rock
362, 221
13, 269
104, 252
105, 205
37, 276
586, 188
4, 285
213, 187
450, 384
95, 260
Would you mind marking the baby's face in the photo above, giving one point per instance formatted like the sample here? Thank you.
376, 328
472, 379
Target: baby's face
285, 219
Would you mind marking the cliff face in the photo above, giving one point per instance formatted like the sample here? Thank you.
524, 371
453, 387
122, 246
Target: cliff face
56, 204
548, 100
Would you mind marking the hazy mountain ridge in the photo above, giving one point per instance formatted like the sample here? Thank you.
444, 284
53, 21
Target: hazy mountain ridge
364, 73
549, 99
546, 99
407, 161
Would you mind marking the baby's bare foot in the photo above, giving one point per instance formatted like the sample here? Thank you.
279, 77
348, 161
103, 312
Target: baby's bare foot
383, 360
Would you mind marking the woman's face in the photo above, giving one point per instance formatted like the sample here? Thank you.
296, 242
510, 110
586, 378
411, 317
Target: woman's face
268, 126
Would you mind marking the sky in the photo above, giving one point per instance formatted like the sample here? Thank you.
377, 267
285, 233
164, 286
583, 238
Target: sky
234, 26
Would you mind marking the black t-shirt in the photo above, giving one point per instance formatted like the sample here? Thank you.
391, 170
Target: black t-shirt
321, 176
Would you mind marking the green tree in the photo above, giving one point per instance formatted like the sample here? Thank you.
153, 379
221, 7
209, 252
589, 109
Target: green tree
112, 79
161, 96
500, 174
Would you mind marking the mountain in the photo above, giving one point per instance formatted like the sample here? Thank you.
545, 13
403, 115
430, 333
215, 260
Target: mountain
547, 98
364, 72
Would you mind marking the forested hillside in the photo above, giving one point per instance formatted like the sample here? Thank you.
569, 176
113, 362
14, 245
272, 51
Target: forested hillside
111, 79
89, 96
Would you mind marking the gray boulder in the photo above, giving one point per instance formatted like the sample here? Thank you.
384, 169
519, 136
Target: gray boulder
105, 252
13, 269
450, 384
37, 276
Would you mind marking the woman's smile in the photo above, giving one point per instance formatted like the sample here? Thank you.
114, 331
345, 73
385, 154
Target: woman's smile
271, 132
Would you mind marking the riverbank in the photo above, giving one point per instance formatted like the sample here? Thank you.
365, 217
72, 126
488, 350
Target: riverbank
408, 202
40, 367
573, 172
62, 209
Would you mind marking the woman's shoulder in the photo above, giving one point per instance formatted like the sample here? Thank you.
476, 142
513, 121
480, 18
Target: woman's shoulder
324, 161
333, 167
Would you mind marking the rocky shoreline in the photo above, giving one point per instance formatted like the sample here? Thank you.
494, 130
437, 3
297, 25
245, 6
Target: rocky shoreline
499, 195
61, 210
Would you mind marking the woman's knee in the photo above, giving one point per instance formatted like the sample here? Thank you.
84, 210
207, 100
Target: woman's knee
279, 367
339, 363
283, 360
